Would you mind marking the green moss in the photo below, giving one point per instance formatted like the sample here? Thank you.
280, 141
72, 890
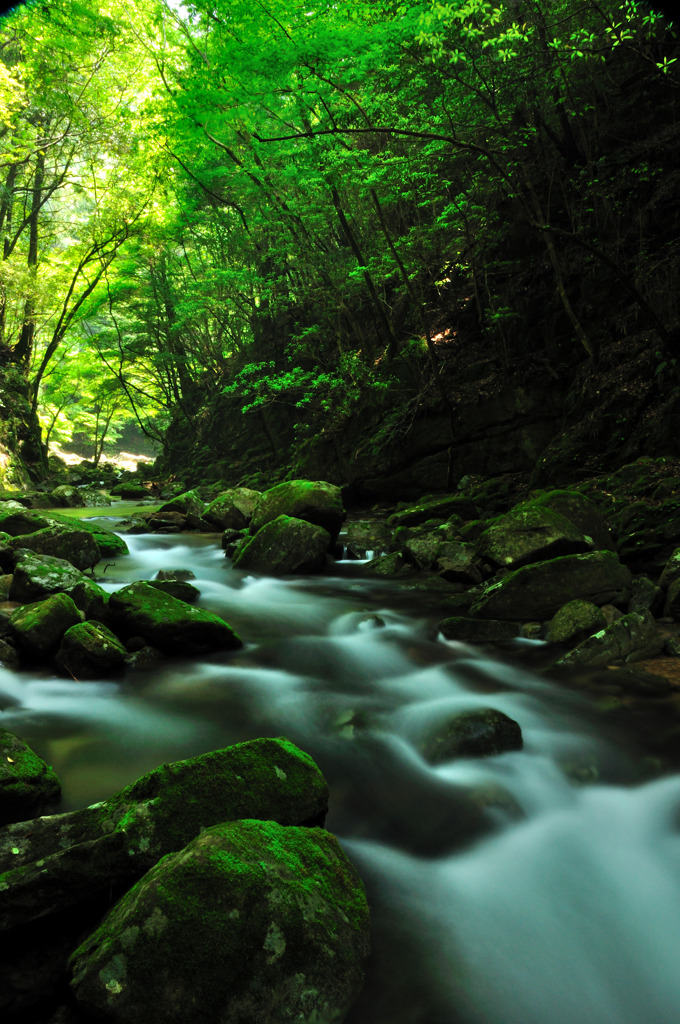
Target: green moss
261, 915
110, 544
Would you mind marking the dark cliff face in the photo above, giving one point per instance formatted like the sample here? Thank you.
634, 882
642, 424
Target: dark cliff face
549, 423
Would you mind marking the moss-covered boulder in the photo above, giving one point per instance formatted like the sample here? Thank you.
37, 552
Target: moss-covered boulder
538, 591
69, 496
16, 520
110, 544
633, 637
28, 786
286, 902
232, 509
188, 502
49, 864
39, 627
478, 631
435, 508
90, 650
388, 566
477, 733
314, 501
367, 538
79, 547
646, 532
37, 575
167, 623
574, 621
129, 491
91, 599
284, 545
530, 533
582, 513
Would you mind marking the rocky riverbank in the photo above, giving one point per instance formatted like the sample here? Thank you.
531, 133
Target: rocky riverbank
592, 571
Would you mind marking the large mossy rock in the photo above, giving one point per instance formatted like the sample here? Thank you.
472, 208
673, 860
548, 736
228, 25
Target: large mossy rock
633, 637
582, 513
314, 501
435, 508
253, 921
16, 520
536, 592
79, 547
90, 650
48, 864
232, 509
28, 786
109, 544
167, 623
530, 534
69, 496
188, 503
284, 545
39, 627
481, 732
575, 621
37, 575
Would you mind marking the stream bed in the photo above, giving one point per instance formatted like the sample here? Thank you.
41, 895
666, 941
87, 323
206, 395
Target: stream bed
536, 886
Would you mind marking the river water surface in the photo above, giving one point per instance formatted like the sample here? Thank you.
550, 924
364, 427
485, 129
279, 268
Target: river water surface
535, 887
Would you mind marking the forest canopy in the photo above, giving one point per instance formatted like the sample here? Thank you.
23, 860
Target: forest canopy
294, 209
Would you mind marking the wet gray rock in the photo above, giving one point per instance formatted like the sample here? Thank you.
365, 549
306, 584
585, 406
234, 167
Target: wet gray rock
478, 733
478, 631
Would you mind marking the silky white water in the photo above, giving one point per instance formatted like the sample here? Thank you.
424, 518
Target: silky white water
533, 887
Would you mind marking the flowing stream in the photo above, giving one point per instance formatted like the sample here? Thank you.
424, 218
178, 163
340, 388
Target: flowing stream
535, 887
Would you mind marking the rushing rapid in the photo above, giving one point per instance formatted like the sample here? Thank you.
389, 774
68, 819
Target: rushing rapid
536, 885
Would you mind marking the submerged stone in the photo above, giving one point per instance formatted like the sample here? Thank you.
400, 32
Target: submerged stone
478, 733
252, 921
458, 627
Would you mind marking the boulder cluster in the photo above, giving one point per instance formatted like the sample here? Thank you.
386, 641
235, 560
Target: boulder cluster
593, 570
206, 890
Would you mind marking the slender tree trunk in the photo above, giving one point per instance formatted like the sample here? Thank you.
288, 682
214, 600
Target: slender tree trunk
24, 346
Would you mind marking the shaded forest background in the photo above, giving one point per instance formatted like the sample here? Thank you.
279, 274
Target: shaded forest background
386, 244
